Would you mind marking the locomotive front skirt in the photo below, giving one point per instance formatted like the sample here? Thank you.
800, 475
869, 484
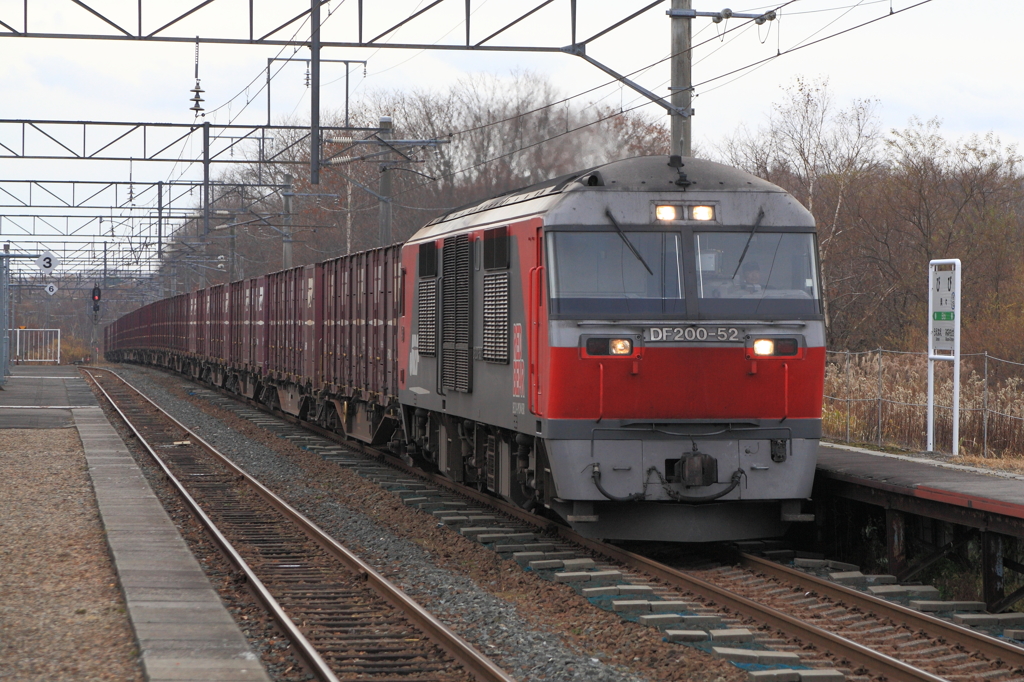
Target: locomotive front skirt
637, 349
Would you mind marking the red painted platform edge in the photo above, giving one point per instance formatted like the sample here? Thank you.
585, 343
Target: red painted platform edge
934, 494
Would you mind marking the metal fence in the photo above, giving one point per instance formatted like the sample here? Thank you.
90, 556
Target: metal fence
5, 318
880, 397
34, 345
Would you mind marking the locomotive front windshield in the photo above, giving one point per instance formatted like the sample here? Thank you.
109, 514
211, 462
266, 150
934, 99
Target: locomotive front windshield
760, 274
633, 274
600, 274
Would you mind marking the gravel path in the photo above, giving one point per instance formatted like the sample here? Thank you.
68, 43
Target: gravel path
535, 629
62, 616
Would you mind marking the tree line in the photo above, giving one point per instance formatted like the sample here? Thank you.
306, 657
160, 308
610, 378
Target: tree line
885, 202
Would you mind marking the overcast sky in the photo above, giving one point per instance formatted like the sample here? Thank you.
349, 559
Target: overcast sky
952, 60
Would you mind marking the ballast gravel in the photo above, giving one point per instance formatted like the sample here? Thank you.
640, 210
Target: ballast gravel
62, 616
534, 629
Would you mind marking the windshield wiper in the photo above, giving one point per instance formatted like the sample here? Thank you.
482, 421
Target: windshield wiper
757, 223
608, 212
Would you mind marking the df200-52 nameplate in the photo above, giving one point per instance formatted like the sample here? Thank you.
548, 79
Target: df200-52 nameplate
695, 334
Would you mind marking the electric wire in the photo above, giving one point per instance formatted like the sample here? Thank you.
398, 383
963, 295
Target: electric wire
753, 65
799, 46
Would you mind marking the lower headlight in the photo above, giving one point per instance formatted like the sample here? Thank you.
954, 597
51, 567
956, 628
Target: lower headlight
620, 346
764, 347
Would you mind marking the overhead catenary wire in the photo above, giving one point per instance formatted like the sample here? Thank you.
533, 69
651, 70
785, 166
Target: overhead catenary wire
249, 98
624, 110
803, 44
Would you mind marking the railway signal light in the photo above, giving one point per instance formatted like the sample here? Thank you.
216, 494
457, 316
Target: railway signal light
96, 294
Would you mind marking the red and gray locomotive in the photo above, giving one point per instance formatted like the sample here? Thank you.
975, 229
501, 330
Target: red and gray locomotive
637, 349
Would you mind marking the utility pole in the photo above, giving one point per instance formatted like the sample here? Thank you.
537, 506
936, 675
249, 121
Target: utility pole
286, 243
681, 88
348, 218
160, 218
681, 79
314, 93
231, 262
384, 189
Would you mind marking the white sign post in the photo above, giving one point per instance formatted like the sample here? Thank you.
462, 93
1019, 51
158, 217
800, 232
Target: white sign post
47, 262
51, 289
944, 312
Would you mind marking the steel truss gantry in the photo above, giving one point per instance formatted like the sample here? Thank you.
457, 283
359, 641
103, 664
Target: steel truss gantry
153, 21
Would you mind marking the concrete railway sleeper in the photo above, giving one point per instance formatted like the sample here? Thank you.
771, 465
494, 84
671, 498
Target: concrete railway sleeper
685, 607
355, 623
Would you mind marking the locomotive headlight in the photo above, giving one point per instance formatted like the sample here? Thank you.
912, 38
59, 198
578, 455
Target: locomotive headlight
620, 346
666, 213
764, 347
703, 212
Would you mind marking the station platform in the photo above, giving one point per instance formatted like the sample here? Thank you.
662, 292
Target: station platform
979, 498
981, 503
41, 397
182, 629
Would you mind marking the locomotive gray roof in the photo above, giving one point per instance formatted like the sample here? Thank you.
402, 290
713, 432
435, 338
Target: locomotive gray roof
630, 186
642, 173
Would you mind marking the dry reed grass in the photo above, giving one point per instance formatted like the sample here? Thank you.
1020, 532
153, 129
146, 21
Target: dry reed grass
887, 405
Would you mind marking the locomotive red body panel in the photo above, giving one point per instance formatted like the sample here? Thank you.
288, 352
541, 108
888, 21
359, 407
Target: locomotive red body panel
684, 383
638, 348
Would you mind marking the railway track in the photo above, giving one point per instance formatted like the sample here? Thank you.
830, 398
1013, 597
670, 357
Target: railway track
345, 620
870, 637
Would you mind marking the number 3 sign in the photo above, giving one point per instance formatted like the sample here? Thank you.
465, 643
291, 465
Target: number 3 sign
47, 262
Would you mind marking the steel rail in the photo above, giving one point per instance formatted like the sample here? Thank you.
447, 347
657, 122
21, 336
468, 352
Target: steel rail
933, 626
880, 663
877, 662
305, 650
476, 664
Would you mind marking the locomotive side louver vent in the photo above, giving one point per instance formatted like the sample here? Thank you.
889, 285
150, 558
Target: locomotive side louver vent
456, 353
426, 310
496, 318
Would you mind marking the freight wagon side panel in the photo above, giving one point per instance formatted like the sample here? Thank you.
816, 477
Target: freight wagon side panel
215, 322
260, 325
393, 296
360, 328
236, 323
181, 325
331, 351
312, 324
191, 322
277, 320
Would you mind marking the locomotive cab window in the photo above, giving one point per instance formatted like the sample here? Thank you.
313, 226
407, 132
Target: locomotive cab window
608, 274
739, 273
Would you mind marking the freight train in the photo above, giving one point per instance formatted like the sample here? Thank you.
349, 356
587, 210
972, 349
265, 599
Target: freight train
636, 349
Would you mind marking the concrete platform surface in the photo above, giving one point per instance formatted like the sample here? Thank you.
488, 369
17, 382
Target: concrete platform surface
183, 630
40, 397
978, 490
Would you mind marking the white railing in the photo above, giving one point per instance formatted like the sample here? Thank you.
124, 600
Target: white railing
34, 345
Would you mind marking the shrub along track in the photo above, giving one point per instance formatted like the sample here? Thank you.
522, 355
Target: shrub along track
354, 623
